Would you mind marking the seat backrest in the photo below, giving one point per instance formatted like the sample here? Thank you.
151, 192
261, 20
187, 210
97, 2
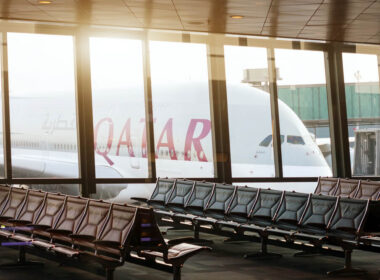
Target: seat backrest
219, 201
349, 215
73, 210
242, 203
347, 188
4, 194
200, 196
161, 192
51, 210
292, 208
32, 207
14, 203
319, 210
368, 190
266, 204
118, 225
180, 195
94, 217
326, 186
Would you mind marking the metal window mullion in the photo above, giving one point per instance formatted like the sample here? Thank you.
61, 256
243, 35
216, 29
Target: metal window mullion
84, 114
274, 113
6, 114
336, 98
149, 121
219, 111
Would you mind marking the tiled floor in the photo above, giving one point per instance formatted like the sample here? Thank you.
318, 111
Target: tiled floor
224, 262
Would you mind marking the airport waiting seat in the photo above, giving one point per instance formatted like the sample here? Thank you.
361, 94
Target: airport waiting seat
326, 186
316, 217
180, 195
219, 201
368, 190
13, 204
290, 211
241, 204
347, 188
160, 193
348, 219
265, 207
34, 201
199, 198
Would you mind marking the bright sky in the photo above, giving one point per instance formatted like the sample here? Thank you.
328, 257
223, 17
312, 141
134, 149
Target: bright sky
45, 63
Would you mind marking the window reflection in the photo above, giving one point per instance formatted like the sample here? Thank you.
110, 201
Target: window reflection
181, 110
303, 113
249, 114
42, 105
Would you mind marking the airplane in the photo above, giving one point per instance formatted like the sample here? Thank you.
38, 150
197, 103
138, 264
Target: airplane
44, 138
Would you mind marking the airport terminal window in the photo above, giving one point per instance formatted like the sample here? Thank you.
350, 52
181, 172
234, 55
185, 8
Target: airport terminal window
361, 77
249, 112
118, 108
181, 110
303, 113
42, 105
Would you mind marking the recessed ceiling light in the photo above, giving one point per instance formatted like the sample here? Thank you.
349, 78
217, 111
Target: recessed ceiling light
44, 2
237, 17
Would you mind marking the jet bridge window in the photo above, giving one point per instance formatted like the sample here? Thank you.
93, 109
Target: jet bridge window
296, 140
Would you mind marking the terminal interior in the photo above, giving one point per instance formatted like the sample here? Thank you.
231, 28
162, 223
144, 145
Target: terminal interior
209, 139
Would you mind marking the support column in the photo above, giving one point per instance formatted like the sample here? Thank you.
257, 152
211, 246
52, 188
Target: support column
6, 113
336, 98
84, 113
219, 110
277, 155
149, 110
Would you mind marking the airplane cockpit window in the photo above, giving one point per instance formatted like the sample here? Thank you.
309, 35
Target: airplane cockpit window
296, 140
267, 140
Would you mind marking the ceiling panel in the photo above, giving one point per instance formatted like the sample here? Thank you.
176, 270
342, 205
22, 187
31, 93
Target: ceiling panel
335, 20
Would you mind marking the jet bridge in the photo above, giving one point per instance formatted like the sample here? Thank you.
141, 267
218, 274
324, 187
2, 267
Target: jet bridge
367, 152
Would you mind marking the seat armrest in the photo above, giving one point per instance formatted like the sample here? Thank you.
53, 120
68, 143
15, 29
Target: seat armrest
141, 199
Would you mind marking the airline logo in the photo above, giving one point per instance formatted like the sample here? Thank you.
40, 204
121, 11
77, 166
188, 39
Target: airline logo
165, 139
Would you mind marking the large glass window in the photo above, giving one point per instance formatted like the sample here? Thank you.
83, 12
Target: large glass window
249, 112
42, 105
118, 108
181, 110
301, 82
361, 77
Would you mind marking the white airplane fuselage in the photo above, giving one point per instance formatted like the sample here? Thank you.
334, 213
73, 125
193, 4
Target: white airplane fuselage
44, 141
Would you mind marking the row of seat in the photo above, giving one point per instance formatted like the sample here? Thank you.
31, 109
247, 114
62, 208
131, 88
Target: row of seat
360, 189
82, 229
294, 216
211, 202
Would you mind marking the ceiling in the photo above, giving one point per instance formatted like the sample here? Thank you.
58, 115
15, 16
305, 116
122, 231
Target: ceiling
336, 20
